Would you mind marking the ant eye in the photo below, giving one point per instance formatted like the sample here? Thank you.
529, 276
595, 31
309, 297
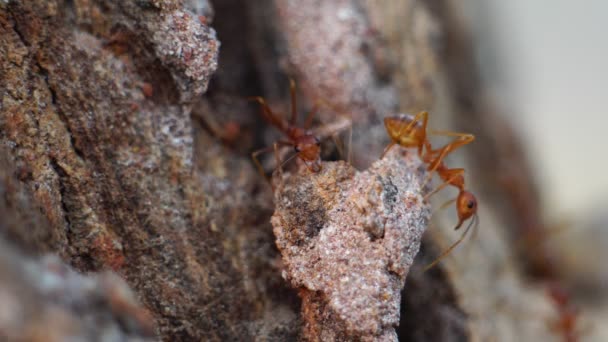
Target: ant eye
296, 148
470, 204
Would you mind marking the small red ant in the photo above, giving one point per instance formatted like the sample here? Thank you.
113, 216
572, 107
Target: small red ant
566, 323
410, 132
306, 145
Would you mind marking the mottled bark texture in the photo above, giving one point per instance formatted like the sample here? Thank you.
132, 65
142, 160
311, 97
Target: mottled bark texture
126, 139
96, 116
348, 240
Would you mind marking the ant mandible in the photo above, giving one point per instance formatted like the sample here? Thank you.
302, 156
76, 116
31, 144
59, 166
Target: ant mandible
410, 132
306, 145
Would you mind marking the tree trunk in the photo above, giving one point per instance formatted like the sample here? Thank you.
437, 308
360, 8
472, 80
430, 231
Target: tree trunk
127, 135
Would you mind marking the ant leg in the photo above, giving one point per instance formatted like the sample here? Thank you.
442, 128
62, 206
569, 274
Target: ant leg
268, 114
463, 139
255, 155
266, 149
465, 136
453, 173
311, 115
292, 91
349, 157
282, 143
407, 128
425, 119
315, 108
433, 165
340, 145
451, 248
278, 159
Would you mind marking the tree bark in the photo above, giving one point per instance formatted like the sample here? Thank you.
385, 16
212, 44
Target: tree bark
126, 136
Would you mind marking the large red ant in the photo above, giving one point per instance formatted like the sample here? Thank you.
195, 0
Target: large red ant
305, 143
410, 132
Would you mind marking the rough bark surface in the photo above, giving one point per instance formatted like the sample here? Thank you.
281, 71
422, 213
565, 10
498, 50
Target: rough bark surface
112, 166
348, 240
125, 147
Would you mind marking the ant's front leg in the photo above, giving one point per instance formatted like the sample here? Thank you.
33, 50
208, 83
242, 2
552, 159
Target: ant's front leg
267, 149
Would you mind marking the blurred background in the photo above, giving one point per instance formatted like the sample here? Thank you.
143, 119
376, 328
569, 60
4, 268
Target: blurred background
545, 63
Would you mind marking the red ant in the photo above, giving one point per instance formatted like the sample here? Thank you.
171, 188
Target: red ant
306, 145
410, 132
566, 323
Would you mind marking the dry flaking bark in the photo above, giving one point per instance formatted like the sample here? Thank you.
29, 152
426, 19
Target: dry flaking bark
348, 240
95, 109
44, 299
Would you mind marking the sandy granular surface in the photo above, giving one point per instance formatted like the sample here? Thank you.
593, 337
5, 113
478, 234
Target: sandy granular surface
348, 239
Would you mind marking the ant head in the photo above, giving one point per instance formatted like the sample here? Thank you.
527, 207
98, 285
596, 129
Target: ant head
466, 204
308, 148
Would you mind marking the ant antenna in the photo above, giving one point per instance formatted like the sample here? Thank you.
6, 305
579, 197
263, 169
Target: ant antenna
474, 223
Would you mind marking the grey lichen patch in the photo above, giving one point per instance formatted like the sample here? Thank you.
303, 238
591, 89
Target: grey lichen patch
367, 230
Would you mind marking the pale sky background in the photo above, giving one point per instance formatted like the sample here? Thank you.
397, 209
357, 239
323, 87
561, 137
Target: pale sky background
553, 68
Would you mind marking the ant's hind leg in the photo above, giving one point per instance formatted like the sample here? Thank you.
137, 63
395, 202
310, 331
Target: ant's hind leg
267, 112
311, 115
267, 149
349, 157
461, 140
292, 91
464, 136
319, 103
